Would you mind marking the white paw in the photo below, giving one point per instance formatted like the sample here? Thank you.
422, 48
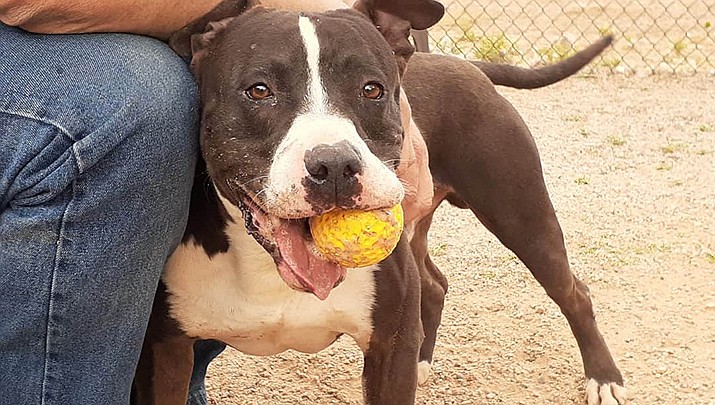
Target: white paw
605, 394
423, 369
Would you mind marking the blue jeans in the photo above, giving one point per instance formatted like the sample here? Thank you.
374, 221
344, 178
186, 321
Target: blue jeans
97, 152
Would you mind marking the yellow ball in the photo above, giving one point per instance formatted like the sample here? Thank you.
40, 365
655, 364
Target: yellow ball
356, 238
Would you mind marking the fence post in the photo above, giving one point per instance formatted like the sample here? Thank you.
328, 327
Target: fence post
421, 39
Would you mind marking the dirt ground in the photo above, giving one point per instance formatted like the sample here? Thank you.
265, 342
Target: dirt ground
630, 165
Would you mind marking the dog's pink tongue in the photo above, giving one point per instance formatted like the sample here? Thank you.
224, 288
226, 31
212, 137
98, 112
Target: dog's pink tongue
315, 274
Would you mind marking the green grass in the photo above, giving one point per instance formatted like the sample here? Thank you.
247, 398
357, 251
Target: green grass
557, 52
611, 62
475, 45
489, 275
603, 31
494, 49
652, 248
616, 141
583, 180
680, 46
671, 148
589, 250
439, 250
599, 246
710, 258
510, 258
664, 166
707, 128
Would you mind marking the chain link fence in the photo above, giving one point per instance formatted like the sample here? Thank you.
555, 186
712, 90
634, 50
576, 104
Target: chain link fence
651, 36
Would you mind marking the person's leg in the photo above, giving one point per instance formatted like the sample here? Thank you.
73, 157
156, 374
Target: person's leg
97, 152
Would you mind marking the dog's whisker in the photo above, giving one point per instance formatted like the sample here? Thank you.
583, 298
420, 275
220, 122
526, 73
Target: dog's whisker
207, 184
392, 161
261, 191
246, 183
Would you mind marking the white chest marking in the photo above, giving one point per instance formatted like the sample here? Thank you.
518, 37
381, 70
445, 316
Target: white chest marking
239, 298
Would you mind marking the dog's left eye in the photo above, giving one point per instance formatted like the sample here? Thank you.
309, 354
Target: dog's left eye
259, 91
373, 91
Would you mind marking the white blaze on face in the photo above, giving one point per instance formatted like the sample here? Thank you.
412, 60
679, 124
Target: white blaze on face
318, 124
316, 98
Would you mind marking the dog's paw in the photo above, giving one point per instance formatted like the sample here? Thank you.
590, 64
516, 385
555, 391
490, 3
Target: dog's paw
605, 394
423, 370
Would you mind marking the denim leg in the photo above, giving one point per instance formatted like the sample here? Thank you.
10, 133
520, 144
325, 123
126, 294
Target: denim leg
97, 152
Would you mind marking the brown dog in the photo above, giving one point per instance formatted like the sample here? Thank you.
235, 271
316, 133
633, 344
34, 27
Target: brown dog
496, 173
291, 132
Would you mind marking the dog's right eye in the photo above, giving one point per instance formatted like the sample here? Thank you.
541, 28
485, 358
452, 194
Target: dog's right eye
373, 91
258, 92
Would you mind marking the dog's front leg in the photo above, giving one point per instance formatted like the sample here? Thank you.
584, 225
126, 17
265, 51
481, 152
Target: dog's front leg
166, 362
164, 372
390, 371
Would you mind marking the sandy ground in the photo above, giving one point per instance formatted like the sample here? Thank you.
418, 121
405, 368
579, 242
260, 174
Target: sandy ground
630, 164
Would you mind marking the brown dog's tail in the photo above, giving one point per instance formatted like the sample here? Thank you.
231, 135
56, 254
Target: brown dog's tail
524, 78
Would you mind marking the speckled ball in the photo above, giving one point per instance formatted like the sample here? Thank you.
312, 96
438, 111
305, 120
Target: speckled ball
355, 238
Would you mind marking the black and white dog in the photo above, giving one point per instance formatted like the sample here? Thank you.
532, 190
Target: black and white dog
301, 115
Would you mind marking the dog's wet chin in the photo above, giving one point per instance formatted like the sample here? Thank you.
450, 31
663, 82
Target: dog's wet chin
300, 264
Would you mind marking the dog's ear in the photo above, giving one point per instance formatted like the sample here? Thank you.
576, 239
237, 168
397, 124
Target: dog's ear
395, 18
191, 39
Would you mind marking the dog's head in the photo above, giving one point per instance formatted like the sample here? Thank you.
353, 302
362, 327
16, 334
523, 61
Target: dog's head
300, 115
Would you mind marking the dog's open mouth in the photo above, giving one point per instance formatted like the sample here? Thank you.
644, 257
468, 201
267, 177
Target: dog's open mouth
300, 263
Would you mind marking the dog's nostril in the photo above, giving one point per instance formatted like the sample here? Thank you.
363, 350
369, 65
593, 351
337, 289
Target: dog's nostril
351, 169
320, 172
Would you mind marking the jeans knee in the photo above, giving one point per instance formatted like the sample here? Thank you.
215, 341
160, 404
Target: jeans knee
109, 84
162, 101
152, 123
125, 105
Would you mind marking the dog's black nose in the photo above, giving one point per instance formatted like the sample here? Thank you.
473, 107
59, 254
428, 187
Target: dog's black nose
332, 171
332, 163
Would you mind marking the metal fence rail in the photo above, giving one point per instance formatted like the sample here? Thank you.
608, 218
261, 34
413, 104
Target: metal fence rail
651, 36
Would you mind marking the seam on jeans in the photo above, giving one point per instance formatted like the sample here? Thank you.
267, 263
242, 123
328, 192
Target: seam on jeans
81, 166
59, 127
55, 266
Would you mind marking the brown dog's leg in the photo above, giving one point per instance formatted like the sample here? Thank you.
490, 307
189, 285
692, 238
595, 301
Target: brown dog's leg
166, 380
166, 362
390, 370
534, 235
517, 209
511, 200
528, 226
434, 288
484, 151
